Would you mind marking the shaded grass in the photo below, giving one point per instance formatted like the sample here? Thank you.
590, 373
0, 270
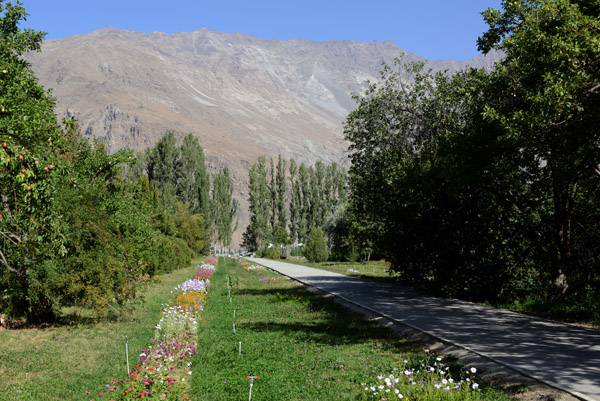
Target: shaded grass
61, 362
300, 345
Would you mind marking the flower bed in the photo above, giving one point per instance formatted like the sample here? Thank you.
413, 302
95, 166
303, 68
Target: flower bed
253, 267
165, 363
425, 382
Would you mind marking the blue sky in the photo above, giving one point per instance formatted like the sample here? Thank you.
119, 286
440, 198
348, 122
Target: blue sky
435, 29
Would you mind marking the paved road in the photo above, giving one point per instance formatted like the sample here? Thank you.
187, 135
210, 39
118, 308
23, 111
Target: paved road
563, 356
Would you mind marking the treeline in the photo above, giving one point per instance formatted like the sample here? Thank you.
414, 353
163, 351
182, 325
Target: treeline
179, 174
288, 200
484, 185
80, 227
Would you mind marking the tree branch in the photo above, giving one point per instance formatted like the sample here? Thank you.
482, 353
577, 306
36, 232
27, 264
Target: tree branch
5, 262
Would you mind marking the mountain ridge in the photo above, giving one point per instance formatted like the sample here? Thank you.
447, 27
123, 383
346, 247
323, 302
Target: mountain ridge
241, 96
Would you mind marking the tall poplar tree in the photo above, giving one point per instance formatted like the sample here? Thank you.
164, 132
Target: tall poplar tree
192, 180
224, 207
295, 205
281, 199
305, 202
161, 166
258, 230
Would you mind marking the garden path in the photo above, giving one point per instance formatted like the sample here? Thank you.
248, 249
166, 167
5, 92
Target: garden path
562, 356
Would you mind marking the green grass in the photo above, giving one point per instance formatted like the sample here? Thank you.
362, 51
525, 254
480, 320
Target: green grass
373, 270
300, 345
61, 362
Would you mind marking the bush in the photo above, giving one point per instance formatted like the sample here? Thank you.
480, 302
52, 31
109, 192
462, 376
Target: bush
272, 253
316, 249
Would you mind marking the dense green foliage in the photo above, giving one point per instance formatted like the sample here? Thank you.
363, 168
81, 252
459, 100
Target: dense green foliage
315, 249
223, 207
73, 231
482, 184
284, 208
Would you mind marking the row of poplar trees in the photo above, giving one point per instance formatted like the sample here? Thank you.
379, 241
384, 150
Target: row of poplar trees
485, 184
179, 173
287, 200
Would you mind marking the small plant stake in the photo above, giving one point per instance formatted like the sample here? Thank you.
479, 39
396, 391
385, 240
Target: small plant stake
240, 348
234, 328
127, 353
234, 314
251, 384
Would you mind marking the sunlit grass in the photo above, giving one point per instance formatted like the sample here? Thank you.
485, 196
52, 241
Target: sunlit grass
300, 345
61, 362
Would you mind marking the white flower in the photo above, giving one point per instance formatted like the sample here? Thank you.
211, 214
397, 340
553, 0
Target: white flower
475, 386
473, 370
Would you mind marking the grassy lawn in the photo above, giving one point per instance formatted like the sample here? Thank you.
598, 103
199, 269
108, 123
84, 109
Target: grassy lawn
61, 362
300, 345
373, 270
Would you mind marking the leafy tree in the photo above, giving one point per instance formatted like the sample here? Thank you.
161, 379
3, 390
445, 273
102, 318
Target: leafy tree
30, 140
295, 205
442, 212
317, 182
258, 230
161, 167
281, 200
315, 249
224, 207
193, 184
337, 228
305, 208
550, 74
469, 184
273, 197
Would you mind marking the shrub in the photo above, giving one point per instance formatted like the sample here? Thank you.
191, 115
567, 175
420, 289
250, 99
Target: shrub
316, 249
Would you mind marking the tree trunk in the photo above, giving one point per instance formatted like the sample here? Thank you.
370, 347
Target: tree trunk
564, 200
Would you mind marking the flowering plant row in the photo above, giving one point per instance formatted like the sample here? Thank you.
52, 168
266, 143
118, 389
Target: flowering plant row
164, 364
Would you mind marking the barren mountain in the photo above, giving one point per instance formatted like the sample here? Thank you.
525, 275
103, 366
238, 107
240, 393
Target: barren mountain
241, 96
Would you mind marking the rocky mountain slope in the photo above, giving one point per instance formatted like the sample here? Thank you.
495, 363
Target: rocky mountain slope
241, 96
